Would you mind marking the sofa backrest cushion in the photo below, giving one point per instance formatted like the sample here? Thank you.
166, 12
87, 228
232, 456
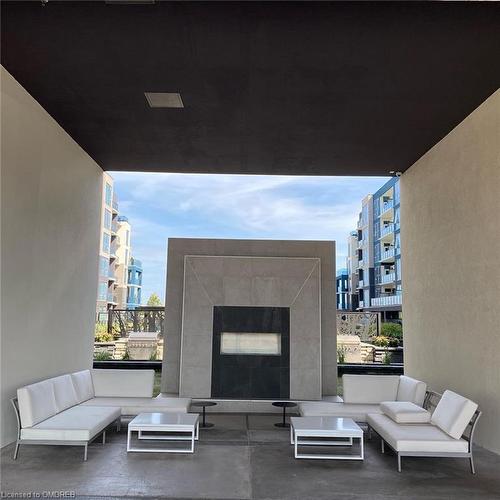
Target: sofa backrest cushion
82, 382
64, 392
123, 383
411, 390
37, 402
453, 413
370, 389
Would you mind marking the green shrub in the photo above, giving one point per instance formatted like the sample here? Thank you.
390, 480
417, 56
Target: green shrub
392, 330
380, 341
102, 356
101, 333
126, 356
387, 358
153, 355
341, 352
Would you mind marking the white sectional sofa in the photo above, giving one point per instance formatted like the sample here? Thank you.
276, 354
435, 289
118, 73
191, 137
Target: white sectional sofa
446, 429
363, 395
408, 418
74, 409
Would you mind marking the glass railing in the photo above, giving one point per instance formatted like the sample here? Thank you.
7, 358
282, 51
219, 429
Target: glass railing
387, 205
387, 254
388, 300
387, 230
388, 278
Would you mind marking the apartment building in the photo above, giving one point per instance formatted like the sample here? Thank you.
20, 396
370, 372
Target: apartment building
342, 289
374, 254
116, 264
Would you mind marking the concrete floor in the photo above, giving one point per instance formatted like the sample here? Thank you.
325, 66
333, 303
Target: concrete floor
243, 457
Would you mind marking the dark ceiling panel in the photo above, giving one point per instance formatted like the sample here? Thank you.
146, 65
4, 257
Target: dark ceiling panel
268, 87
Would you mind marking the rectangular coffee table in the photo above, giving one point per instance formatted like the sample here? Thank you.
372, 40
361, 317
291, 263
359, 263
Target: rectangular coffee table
147, 425
321, 431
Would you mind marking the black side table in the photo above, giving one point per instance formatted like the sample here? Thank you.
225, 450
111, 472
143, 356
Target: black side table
204, 423
284, 405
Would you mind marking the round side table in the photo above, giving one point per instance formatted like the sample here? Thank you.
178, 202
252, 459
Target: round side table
204, 423
284, 405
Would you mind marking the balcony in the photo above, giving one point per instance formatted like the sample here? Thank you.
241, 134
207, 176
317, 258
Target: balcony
387, 231
388, 300
361, 304
360, 263
387, 255
361, 243
114, 227
386, 206
112, 298
388, 278
360, 284
114, 206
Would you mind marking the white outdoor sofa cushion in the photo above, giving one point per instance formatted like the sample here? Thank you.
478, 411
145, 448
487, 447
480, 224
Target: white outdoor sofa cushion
84, 387
123, 383
403, 412
37, 402
134, 406
426, 438
357, 412
412, 390
79, 423
453, 413
370, 389
363, 395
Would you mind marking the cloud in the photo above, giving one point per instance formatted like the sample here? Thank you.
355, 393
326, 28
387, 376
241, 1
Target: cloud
235, 206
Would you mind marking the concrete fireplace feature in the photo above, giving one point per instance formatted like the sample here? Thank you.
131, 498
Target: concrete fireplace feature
269, 320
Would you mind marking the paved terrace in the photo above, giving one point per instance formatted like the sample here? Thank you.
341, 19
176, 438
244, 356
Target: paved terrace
244, 457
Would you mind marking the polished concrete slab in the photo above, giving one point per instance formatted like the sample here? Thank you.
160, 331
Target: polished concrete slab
243, 457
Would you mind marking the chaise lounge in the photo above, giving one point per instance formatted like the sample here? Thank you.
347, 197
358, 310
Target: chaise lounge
74, 409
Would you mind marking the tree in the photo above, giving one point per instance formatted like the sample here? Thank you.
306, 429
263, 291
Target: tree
154, 300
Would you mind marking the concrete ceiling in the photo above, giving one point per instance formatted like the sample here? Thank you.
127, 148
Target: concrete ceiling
268, 87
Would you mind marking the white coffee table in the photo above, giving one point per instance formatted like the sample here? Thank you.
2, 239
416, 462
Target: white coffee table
147, 425
303, 430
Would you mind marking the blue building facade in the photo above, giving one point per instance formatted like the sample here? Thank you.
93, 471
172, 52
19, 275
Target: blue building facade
134, 283
375, 271
342, 289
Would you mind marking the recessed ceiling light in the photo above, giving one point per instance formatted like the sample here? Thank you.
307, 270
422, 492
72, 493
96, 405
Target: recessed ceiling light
164, 99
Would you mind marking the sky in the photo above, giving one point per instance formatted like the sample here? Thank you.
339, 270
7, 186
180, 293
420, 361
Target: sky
160, 206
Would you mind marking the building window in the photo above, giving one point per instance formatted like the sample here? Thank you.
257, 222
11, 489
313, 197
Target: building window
107, 219
103, 291
109, 194
106, 242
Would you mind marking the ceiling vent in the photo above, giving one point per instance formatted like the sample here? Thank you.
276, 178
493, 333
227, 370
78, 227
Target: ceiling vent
164, 99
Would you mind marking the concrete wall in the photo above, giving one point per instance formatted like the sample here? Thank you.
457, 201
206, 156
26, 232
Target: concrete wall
50, 218
178, 248
251, 281
450, 224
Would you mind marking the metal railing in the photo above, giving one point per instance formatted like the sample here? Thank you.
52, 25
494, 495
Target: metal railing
142, 319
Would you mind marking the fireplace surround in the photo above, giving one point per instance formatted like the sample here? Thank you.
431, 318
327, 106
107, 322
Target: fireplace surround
219, 342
